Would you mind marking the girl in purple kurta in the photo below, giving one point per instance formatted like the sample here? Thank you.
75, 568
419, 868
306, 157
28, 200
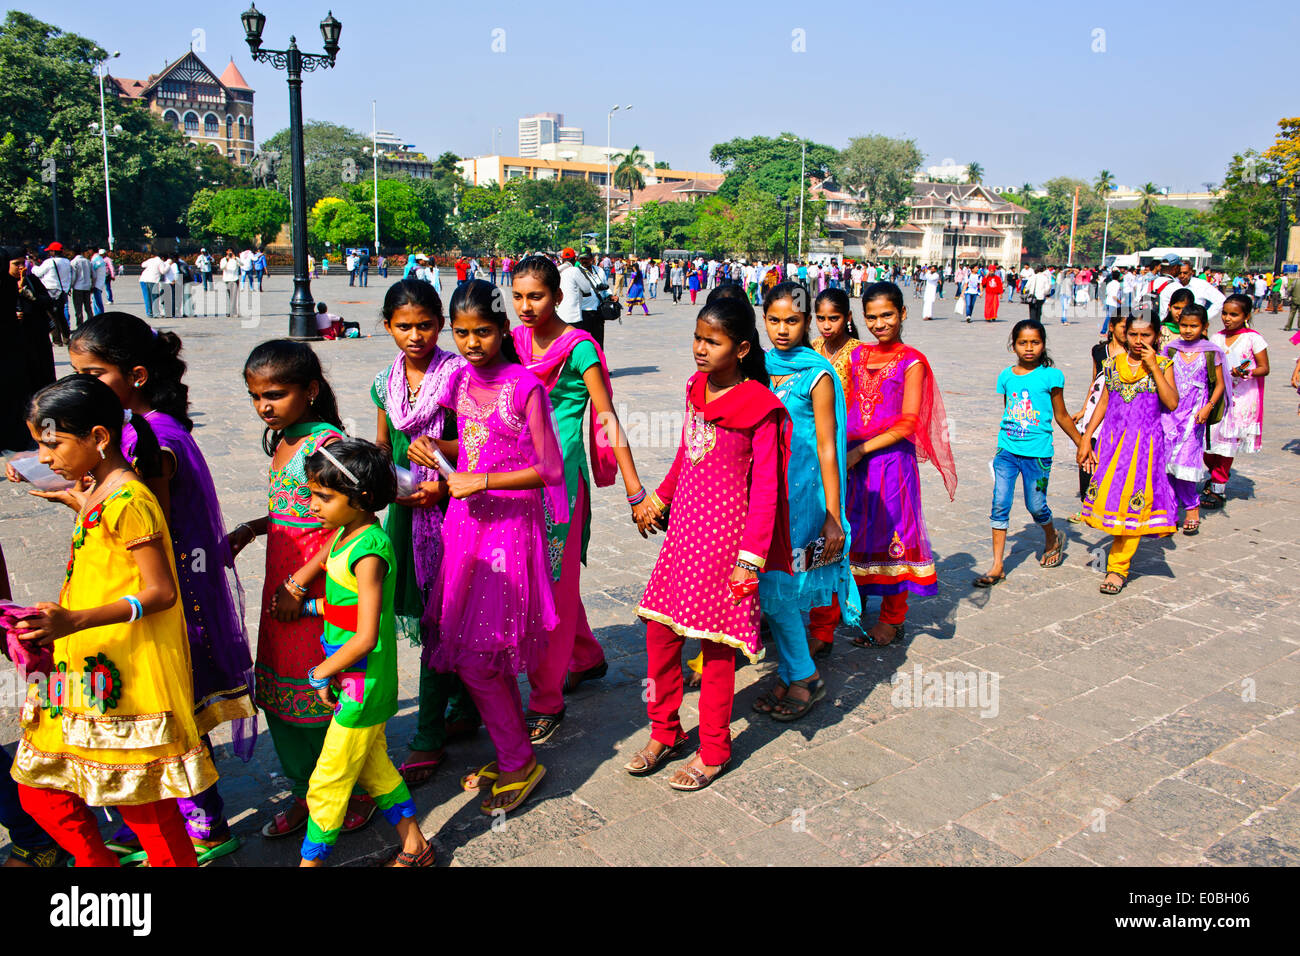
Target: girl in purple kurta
1130, 495
144, 370
1200, 371
497, 603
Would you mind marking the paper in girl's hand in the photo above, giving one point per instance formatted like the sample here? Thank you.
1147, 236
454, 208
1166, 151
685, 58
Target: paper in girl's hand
444, 465
405, 483
29, 467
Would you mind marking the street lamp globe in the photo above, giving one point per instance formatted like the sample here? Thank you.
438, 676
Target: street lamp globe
330, 30
254, 22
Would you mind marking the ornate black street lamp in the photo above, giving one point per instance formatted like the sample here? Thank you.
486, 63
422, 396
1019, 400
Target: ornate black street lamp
302, 322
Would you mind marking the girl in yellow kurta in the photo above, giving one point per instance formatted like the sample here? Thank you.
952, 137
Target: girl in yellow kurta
113, 722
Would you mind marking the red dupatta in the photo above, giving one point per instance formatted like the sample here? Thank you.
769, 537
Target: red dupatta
929, 432
742, 408
604, 466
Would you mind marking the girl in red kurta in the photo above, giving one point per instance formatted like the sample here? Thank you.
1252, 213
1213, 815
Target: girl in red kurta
727, 493
993, 289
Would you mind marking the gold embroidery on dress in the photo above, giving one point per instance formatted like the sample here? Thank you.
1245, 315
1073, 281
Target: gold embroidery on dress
700, 437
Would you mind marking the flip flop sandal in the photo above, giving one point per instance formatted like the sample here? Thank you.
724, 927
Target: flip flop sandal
486, 776
206, 854
44, 858
986, 581
359, 819
700, 779
1113, 589
1053, 558
412, 860
1191, 528
1212, 500
769, 698
430, 765
817, 689
278, 827
522, 789
823, 649
652, 762
542, 727
573, 681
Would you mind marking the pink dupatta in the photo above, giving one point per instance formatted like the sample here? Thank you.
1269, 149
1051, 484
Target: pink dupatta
604, 466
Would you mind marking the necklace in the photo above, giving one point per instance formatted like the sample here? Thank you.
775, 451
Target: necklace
109, 486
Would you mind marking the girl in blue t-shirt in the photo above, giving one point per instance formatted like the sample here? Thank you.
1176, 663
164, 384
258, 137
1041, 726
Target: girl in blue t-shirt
1032, 396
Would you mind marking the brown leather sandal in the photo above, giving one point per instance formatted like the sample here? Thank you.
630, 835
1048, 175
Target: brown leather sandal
650, 761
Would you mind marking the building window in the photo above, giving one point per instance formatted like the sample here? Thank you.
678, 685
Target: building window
191, 124
230, 125
210, 126
241, 129
171, 119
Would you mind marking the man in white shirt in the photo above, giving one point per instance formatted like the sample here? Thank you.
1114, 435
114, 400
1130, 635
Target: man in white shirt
1128, 287
931, 292
1039, 285
82, 282
579, 298
55, 274
351, 263
230, 272
151, 276
204, 264
652, 277
246, 267
1206, 294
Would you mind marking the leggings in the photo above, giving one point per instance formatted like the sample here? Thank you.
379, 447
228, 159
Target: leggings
822, 620
496, 695
66, 818
1220, 470
1186, 493
664, 692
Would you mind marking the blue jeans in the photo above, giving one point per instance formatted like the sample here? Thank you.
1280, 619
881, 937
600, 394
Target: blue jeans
653, 289
23, 830
970, 303
146, 293
786, 623
1007, 466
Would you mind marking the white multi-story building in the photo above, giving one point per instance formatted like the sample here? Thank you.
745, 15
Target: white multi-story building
545, 129
984, 226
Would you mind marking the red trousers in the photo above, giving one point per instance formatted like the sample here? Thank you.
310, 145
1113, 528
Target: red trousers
1220, 470
66, 818
664, 692
822, 620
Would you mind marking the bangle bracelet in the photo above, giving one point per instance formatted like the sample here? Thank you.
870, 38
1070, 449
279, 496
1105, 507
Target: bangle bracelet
243, 525
637, 498
317, 682
747, 566
137, 609
290, 583
487, 480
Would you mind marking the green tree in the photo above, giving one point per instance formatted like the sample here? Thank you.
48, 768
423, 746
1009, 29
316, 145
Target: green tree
773, 162
518, 230
713, 226
1245, 213
974, 173
49, 98
339, 222
327, 150
247, 215
402, 213
880, 171
628, 173
1104, 183
198, 219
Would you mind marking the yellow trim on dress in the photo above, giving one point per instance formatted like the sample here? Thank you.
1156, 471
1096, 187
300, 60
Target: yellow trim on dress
718, 636
752, 558
106, 785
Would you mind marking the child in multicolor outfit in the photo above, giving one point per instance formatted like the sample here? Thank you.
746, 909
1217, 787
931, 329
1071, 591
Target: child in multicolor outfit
291, 395
349, 482
727, 492
1200, 374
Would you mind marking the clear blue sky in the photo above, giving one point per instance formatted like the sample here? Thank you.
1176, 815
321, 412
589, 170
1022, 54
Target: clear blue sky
1015, 86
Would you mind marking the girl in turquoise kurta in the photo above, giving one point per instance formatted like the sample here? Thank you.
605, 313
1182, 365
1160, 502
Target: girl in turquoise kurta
810, 390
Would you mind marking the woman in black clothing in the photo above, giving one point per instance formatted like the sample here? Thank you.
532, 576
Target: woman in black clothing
26, 356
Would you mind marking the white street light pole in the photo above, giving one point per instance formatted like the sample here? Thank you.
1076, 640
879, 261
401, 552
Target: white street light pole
374, 155
103, 132
1105, 234
609, 119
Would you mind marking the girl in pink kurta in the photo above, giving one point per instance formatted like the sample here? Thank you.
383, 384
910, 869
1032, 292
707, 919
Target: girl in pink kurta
726, 490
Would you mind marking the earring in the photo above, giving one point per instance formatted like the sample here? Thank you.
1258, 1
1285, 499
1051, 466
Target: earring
102, 456
135, 384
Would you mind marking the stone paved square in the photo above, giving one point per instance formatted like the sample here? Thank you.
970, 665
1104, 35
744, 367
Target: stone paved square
1159, 727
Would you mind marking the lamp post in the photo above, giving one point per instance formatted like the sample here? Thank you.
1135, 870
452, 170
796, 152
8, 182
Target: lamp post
374, 155
956, 241
103, 130
302, 324
1105, 234
50, 174
609, 120
1284, 192
785, 243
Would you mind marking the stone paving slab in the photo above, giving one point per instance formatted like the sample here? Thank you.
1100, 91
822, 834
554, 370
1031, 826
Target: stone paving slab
1160, 727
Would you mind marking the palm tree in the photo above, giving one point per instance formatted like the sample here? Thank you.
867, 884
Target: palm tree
1104, 183
974, 173
1147, 204
628, 174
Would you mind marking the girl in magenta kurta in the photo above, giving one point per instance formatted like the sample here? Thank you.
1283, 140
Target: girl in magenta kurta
497, 603
727, 493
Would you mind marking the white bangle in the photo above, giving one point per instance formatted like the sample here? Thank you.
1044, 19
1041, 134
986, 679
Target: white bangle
137, 609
